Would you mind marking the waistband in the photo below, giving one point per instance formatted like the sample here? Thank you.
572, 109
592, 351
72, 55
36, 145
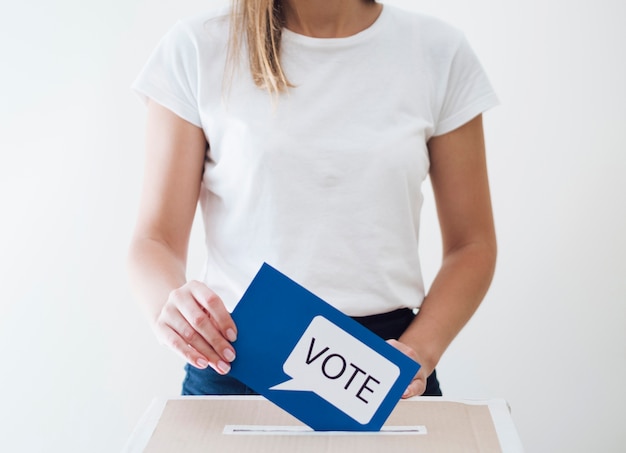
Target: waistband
387, 325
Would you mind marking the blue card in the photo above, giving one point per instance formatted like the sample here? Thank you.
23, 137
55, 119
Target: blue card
316, 363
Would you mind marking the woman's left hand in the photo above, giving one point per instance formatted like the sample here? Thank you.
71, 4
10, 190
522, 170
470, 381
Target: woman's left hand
418, 385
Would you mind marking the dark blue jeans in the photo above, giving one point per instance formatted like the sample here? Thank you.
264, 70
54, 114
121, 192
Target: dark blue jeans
387, 326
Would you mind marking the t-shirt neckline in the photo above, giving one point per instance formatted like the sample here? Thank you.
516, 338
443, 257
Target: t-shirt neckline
334, 42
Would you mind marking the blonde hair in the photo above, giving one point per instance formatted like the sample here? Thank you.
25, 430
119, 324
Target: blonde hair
260, 23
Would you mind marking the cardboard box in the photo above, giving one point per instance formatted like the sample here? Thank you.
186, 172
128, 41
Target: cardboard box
253, 424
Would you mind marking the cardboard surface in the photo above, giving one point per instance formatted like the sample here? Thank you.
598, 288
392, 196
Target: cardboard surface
198, 425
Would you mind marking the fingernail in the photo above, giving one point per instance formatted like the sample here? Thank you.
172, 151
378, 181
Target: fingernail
223, 367
202, 363
231, 335
229, 355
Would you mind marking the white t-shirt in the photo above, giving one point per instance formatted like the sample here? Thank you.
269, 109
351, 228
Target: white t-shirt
323, 183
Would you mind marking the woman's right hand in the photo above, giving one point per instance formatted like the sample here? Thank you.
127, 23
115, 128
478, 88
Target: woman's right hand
195, 323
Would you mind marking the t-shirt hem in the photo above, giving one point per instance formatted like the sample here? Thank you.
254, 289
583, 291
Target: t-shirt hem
170, 102
479, 106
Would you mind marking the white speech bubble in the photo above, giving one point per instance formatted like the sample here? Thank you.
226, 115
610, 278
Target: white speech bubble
339, 368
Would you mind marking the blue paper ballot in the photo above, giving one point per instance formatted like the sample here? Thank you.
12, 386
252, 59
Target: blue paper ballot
312, 360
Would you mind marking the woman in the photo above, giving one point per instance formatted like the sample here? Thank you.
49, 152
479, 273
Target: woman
304, 130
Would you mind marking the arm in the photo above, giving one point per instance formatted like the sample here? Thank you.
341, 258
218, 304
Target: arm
187, 316
458, 174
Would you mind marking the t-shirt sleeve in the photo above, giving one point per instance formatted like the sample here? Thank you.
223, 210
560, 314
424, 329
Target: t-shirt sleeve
467, 91
170, 76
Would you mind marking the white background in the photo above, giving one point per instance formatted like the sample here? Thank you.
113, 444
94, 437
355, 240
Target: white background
78, 362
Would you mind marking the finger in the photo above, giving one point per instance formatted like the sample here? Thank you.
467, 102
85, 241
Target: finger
169, 337
177, 333
198, 328
417, 387
216, 309
187, 318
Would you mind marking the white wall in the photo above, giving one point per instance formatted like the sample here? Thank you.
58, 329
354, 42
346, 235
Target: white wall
78, 363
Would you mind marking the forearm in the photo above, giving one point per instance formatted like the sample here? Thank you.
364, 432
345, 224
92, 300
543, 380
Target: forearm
455, 294
155, 271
